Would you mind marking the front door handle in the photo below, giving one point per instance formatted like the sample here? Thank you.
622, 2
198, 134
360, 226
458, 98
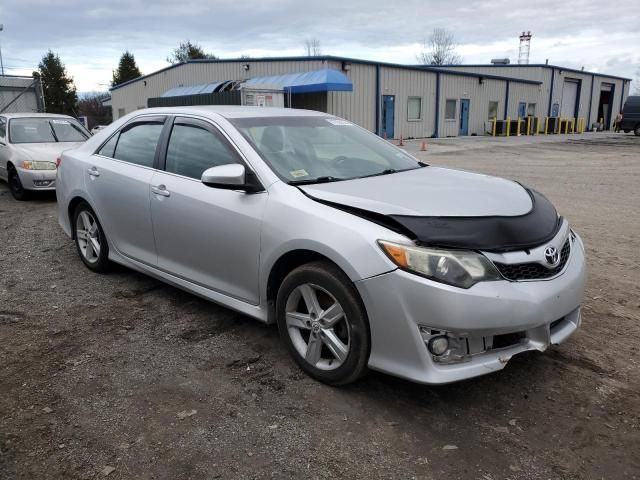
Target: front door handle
93, 171
161, 190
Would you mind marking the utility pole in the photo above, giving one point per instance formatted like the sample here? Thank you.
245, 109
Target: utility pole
1, 63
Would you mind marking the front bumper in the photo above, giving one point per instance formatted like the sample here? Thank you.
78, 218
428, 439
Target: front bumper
398, 303
37, 179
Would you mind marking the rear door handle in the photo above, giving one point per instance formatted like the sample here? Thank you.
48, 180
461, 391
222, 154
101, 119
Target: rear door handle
161, 190
93, 171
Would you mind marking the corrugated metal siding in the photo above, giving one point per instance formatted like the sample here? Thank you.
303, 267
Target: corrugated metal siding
359, 105
410, 83
18, 94
453, 87
137, 93
521, 92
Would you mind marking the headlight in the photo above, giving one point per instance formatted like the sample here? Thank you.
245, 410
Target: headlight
454, 267
33, 165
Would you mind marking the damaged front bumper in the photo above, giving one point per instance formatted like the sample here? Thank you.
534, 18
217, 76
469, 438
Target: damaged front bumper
487, 324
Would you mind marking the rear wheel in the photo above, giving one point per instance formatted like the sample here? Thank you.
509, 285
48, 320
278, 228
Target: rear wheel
91, 242
15, 185
323, 323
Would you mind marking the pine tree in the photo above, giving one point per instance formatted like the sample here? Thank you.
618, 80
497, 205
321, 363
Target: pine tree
58, 88
127, 69
188, 51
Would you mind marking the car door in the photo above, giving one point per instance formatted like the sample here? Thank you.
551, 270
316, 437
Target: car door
4, 148
206, 235
118, 179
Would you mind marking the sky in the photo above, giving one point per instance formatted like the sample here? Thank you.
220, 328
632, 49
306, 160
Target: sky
90, 36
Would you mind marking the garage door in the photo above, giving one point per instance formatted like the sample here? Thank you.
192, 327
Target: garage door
569, 96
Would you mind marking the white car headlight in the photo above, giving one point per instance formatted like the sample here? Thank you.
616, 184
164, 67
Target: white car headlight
461, 268
35, 165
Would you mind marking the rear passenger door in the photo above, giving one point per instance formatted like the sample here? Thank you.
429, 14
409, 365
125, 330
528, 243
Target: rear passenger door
206, 235
117, 180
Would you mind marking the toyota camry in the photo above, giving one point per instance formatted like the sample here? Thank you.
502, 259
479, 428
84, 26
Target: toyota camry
364, 256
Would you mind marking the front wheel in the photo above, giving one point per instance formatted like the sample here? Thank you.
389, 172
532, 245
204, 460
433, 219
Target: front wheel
323, 323
15, 185
91, 242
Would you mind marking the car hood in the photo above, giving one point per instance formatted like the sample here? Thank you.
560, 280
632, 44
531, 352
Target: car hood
428, 191
447, 208
43, 152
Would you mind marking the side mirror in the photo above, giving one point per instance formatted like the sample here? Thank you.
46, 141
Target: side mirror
230, 177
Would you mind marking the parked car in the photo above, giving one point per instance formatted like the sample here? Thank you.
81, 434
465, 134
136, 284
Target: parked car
30, 144
631, 115
97, 128
364, 256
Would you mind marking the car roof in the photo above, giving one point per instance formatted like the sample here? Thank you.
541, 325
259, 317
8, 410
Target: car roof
33, 115
235, 111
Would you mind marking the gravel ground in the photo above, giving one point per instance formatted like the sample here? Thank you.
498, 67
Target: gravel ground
122, 376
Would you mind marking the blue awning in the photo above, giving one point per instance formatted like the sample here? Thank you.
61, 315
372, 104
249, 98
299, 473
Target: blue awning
191, 90
326, 80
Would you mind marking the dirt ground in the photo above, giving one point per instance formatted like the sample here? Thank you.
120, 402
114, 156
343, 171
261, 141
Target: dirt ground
122, 376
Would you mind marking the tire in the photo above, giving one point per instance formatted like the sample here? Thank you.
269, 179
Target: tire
90, 239
627, 131
330, 341
15, 185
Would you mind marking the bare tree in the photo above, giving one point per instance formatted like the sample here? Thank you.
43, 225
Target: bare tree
313, 48
439, 49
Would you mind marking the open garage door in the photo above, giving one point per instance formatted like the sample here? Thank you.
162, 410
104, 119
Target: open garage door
569, 98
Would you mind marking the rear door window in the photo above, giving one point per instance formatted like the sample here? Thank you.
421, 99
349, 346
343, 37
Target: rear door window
137, 143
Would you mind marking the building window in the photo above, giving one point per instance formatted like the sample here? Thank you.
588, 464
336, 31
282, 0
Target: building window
414, 109
450, 109
493, 110
531, 110
120, 112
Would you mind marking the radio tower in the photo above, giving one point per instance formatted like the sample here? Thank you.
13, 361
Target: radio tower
525, 46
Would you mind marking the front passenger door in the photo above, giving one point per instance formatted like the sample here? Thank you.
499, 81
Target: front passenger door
206, 235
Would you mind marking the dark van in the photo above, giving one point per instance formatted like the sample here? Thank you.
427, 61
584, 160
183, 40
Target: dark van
631, 115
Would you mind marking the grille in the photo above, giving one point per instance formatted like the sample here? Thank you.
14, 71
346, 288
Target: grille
533, 270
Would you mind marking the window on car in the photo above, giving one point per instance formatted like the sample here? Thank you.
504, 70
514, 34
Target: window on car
450, 109
109, 148
46, 130
3, 127
137, 143
193, 149
414, 108
493, 110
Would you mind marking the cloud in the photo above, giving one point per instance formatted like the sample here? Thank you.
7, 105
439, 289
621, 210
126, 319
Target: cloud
89, 37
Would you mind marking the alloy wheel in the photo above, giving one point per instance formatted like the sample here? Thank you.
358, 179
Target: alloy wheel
88, 235
317, 326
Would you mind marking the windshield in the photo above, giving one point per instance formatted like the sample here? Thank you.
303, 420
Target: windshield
317, 149
46, 130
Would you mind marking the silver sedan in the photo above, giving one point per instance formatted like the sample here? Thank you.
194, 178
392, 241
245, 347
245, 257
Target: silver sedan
363, 256
30, 144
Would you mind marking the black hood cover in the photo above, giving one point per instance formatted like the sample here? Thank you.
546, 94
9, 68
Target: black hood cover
497, 234
488, 233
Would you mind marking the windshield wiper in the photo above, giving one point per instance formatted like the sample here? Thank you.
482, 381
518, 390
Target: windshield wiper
309, 181
53, 132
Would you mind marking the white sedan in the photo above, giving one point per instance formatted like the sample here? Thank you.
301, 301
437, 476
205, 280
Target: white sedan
30, 144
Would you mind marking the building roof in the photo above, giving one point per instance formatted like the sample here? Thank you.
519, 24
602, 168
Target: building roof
446, 69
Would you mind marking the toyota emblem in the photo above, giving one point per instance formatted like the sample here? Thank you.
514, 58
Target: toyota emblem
552, 255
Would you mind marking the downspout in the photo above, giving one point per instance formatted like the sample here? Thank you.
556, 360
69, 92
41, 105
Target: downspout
622, 96
437, 119
506, 100
377, 99
553, 77
593, 79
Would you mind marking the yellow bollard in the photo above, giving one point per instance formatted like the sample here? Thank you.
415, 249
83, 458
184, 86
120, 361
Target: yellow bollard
528, 125
546, 125
493, 129
539, 129
566, 126
508, 126
573, 125
518, 131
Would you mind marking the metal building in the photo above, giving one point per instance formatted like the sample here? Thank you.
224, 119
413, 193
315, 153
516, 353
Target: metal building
20, 94
396, 100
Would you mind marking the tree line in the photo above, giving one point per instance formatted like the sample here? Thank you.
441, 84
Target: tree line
60, 93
